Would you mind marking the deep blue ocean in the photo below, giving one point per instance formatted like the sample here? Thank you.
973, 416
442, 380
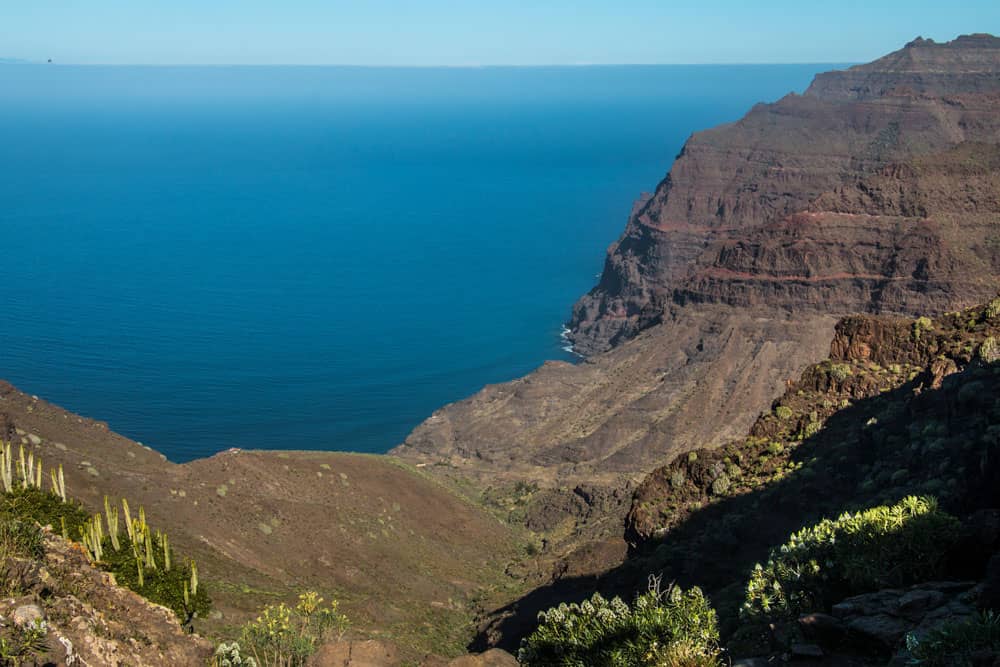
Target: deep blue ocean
310, 257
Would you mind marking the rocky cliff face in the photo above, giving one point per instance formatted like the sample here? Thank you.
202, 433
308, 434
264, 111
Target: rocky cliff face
874, 191
675, 387
899, 407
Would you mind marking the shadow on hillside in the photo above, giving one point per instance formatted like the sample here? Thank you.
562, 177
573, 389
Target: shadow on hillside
877, 450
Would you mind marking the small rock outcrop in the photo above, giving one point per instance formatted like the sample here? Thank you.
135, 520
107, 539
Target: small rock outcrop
883, 619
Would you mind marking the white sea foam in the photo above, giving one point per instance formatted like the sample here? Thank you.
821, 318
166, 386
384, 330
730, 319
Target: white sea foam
568, 347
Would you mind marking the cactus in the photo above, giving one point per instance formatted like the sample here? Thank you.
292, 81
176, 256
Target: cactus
166, 551
112, 516
150, 560
6, 467
138, 565
21, 466
137, 543
128, 522
194, 578
92, 536
62, 484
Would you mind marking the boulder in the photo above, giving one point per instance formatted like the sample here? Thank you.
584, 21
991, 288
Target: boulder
914, 604
822, 628
371, 653
881, 620
27, 614
881, 629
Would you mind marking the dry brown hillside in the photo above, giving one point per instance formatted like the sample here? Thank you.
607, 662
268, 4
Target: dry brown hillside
408, 556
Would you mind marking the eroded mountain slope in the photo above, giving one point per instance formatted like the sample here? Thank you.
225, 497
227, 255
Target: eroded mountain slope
876, 191
408, 556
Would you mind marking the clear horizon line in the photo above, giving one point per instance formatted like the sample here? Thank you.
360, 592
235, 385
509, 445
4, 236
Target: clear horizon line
15, 61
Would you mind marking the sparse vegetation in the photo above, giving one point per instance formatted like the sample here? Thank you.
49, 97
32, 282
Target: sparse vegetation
840, 372
48, 509
144, 561
989, 351
921, 325
20, 544
671, 628
19, 539
721, 484
229, 654
879, 547
992, 310
141, 559
284, 636
23, 644
957, 644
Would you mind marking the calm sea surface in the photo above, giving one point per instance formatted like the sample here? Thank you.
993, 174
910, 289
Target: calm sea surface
318, 257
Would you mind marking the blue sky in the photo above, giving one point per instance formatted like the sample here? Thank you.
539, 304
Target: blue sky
480, 32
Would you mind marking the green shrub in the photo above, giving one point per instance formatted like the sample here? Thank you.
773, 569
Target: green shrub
168, 587
989, 351
877, 548
20, 546
955, 644
284, 636
227, 654
920, 325
20, 539
840, 372
23, 645
783, 412
721, 484
671, 628
45, 507
23, 502
992, 309
143, 560
810, 429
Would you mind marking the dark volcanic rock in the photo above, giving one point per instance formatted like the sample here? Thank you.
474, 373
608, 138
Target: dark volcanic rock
881, 620
989, 598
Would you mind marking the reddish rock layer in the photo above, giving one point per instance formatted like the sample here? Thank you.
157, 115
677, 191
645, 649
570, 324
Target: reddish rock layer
874, 191
877, 191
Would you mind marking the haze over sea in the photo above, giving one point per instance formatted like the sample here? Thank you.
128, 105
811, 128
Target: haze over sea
318, 257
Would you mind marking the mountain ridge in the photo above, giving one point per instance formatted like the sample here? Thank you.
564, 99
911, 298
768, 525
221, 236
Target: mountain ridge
731, 275
718, 315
